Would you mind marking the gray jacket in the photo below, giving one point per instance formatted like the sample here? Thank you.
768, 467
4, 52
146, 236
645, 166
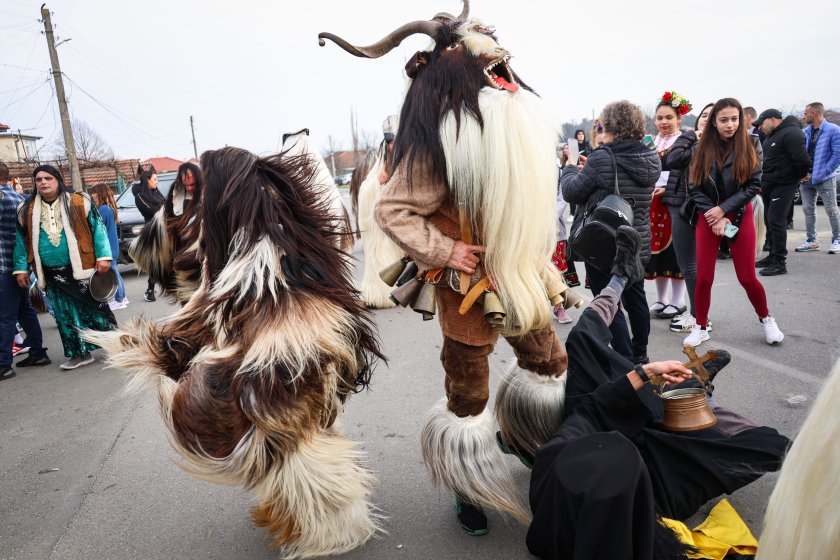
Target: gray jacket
638, 170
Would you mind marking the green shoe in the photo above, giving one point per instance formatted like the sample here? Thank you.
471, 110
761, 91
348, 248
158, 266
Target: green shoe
471, 517
524, 458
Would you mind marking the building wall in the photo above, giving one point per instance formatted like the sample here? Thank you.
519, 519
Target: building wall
12, 150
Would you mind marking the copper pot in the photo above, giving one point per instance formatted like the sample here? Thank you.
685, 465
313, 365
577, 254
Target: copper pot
687, 410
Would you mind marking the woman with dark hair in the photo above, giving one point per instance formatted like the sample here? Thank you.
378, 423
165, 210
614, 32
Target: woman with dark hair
724, 177
583, 144
166, 247
677, 161
103, 199
61, 237
663, 267
148, 200
624, 160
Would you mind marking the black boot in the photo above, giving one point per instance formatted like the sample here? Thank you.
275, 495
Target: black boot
774, 269
628, 243
766, 261
471, 517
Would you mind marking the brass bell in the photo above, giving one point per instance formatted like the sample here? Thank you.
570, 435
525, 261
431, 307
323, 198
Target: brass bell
407, 274
405, 294
687, 410
425, 302
392, 272
571, 299
494, 313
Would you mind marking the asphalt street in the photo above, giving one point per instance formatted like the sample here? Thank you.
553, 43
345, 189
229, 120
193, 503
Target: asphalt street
86, 471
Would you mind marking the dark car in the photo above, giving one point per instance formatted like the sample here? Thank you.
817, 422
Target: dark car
131, 220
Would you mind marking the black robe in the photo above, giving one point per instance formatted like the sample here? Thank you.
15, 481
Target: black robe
610, 468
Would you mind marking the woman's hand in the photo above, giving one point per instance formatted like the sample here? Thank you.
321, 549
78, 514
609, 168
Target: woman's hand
719, 226
669, 371
658, 191
713, 215
102, 266
581, 161
22, 280
383, 177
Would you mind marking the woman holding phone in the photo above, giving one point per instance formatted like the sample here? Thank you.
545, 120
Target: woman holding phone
724, 177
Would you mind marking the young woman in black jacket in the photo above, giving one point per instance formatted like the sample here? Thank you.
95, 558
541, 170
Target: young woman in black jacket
724, 177
149, 200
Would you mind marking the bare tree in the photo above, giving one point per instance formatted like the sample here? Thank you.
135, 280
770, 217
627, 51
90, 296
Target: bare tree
354, 131
90, 146
370, 140
329, 152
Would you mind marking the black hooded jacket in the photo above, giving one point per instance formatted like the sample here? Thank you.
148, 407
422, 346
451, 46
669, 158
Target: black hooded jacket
148, 200
638, 170
786, 160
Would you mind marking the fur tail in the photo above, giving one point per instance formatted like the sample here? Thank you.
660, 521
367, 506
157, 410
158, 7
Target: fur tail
529, 408
379, 250
760, 226
318, 502
152, 250
462, 456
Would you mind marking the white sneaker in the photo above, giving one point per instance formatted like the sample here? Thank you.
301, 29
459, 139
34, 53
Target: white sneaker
697, 337
772, 334
835, 247
683, 323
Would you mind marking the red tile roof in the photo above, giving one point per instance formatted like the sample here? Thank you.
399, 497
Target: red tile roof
163, 164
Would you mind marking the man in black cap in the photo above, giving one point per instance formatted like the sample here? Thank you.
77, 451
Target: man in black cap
786, 161
60, 236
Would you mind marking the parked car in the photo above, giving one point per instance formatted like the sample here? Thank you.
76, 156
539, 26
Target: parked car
343, 180
131, 220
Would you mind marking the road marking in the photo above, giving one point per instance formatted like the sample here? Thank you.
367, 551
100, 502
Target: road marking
776, 367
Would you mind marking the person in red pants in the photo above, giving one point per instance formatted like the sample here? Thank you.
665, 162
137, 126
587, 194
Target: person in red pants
723, 179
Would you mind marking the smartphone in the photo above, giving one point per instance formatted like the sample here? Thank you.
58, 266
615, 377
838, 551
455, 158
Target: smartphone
729, 230
648, 141
574, 151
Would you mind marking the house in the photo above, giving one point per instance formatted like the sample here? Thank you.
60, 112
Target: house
345, 161
162, 164
17, 147
117, 174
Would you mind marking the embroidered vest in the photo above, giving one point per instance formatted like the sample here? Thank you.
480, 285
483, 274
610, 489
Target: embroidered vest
81, 230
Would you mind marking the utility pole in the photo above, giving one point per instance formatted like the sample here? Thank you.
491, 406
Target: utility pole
67, 129
192, 128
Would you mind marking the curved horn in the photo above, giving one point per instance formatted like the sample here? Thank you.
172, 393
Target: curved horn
385, 45
465, 13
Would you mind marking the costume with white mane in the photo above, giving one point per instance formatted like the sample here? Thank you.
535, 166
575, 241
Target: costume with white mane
378, 248
252, 372
475, 164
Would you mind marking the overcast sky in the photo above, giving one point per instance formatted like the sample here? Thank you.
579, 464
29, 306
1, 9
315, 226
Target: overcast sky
249, 70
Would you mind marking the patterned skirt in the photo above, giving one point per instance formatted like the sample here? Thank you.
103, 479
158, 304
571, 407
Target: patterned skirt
564, 262
75, 309
663, 258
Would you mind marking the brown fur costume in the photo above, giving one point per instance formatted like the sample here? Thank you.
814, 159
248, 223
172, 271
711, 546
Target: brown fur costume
476, 149
253, 371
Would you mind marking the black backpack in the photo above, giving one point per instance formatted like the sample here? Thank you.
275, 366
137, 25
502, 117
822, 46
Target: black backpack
592, 238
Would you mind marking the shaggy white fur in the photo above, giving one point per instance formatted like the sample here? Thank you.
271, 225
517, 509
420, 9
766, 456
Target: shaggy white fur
299, 145
463, 457
506, 177
529, 407
379, 250
803, 516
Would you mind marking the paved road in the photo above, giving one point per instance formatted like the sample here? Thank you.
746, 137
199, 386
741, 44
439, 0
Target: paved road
86, 472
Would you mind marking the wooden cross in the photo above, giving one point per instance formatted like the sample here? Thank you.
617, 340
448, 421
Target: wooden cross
698, 363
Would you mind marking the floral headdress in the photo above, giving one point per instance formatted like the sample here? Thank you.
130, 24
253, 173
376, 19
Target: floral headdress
677, 101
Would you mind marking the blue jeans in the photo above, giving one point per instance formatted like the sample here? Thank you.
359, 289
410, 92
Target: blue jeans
828, 193
16, 307
120, 295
